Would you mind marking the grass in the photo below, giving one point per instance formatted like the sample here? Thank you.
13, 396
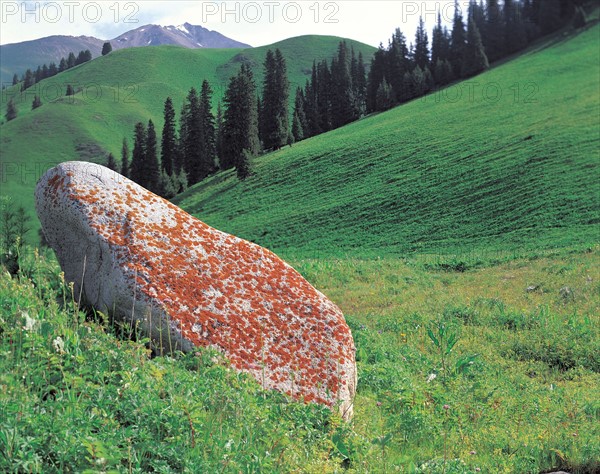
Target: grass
438, 175
517, 392
118, 90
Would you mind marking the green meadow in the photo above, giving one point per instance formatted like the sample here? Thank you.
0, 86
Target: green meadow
116, 91
458, 234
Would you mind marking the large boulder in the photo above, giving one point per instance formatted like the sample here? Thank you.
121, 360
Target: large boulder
185, 284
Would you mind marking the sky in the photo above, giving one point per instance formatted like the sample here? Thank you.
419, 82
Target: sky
256, 23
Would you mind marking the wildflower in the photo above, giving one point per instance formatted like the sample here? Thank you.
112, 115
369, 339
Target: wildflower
59, 345
378, 404
446, 407
477, 469
29, 321
472, 453
431, 377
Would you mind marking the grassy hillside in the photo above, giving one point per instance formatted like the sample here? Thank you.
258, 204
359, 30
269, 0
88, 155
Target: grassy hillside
506, 161
117, 91
516, 394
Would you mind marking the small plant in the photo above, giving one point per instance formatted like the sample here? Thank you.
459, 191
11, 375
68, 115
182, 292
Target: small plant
14, 224
444, 339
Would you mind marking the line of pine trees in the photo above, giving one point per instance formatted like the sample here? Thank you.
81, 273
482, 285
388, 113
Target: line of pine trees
334, 96
491, 30
30, 78
205, 143
337, 93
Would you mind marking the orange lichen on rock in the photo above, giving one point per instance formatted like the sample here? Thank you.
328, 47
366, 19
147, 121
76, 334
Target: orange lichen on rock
191, 285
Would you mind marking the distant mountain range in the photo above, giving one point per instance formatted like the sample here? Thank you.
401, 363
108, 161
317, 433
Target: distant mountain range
18, 57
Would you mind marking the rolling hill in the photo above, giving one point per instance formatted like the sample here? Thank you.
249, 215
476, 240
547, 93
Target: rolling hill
18, 57
118, 90
504, 162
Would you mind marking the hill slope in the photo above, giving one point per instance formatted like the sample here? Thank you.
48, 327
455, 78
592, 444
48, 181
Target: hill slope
17, 57
507, 160
118, 90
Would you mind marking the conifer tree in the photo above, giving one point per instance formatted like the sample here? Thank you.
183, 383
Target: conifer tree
190, 135
207, 144
28, 79
138, 157
397, 63
169, 140
342, 97
474, 60
376, 76
70, 90
274, 118
71, 60
106, 48
515, 35
125, 158
299, 124
151, 167
359, 84
493, 34
311, 108
437, 42
421, 55
458, 41
37, 102
324, 87
385, 96
111, 164
62, 66
52, 70
15, 80
219, 134
11, 111
240, 123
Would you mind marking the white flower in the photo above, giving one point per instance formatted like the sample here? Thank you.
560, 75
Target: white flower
29, 321
59, 345
431, 377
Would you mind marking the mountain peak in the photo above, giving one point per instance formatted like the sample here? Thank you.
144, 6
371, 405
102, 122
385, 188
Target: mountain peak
186, 35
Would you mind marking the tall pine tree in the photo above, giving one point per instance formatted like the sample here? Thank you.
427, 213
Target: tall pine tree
125, 158
299, 124
458, 41
151, 166
474, 60
342, 97
138, 157
169, 139
240, 123
421, 55
207, 145
274, 116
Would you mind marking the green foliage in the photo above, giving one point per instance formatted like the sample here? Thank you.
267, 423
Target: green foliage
14, 226
106, 48
11, 111
133, 89
460, 180
78, 399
